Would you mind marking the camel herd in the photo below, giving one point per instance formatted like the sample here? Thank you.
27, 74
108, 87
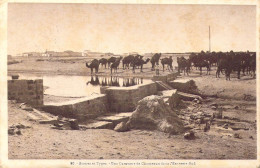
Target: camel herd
134, 61
226, 62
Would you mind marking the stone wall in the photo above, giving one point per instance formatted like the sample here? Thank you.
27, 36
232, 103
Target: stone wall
125, 99
26, 91
82, 109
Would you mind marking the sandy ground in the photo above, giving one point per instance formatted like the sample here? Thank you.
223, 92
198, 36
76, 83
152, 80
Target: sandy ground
236, 97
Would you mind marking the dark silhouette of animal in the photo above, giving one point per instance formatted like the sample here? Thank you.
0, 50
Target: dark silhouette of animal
103, 62
115, 65
223, 64
127, 60
111, 60
253, 64
155, 60
138, 61
229, 62
183, 65
245, 62
168, 62
202, 64
93, 65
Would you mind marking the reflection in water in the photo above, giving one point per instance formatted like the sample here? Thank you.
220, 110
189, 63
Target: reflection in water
114, 81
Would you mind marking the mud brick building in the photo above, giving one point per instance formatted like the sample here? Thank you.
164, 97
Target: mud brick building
26, 91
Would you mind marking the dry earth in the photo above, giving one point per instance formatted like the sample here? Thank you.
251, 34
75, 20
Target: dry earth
237, 98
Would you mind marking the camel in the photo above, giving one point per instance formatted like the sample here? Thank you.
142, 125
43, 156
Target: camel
204, 63
93, 65
111, 60
155, 59
115, 65
127, 60
229, 62
183, 65
252, 65
138, 61
168, 62
103, 61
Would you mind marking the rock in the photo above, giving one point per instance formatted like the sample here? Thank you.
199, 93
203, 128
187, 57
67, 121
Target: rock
21, 126
214, 106
237, 135
207, 127
58, 128
171, 97
153, 113
236, 107
218, 114
188, 97
189, 135
54, 121
18, 132
225, 126
121, 127
188, 127
25, 107
11, 131
58, 125
28, 108
197, 101
239, 126
74, 124
100, 125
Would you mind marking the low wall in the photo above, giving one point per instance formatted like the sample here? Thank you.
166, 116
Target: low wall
125, 99
165, 78
81, 109
26, 91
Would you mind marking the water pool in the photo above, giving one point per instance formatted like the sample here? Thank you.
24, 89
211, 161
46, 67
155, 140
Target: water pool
80, 86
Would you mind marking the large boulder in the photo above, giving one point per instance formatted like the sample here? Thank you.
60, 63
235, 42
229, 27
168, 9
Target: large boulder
153, 113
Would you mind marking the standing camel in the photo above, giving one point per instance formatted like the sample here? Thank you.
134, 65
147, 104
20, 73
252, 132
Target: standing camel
93, 65
103, 62
115, 65
168, 62
155, 59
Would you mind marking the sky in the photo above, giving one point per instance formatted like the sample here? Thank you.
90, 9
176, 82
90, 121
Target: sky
129, 28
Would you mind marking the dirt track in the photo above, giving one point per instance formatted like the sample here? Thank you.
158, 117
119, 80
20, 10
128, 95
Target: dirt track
236, 97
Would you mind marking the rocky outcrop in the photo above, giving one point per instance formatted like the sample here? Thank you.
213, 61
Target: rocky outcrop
171, 97
153, 113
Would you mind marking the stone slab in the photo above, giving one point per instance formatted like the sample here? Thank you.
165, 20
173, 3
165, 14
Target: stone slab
187, 96
100, 125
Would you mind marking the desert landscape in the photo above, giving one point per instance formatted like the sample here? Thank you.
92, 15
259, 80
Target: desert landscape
132, 81
231, 136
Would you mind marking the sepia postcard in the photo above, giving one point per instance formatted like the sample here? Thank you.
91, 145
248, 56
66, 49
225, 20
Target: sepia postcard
129, 83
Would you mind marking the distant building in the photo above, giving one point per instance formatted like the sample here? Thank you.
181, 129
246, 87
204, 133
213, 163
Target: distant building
91, 53
60, 54
48, 53
31, 54
133, 53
